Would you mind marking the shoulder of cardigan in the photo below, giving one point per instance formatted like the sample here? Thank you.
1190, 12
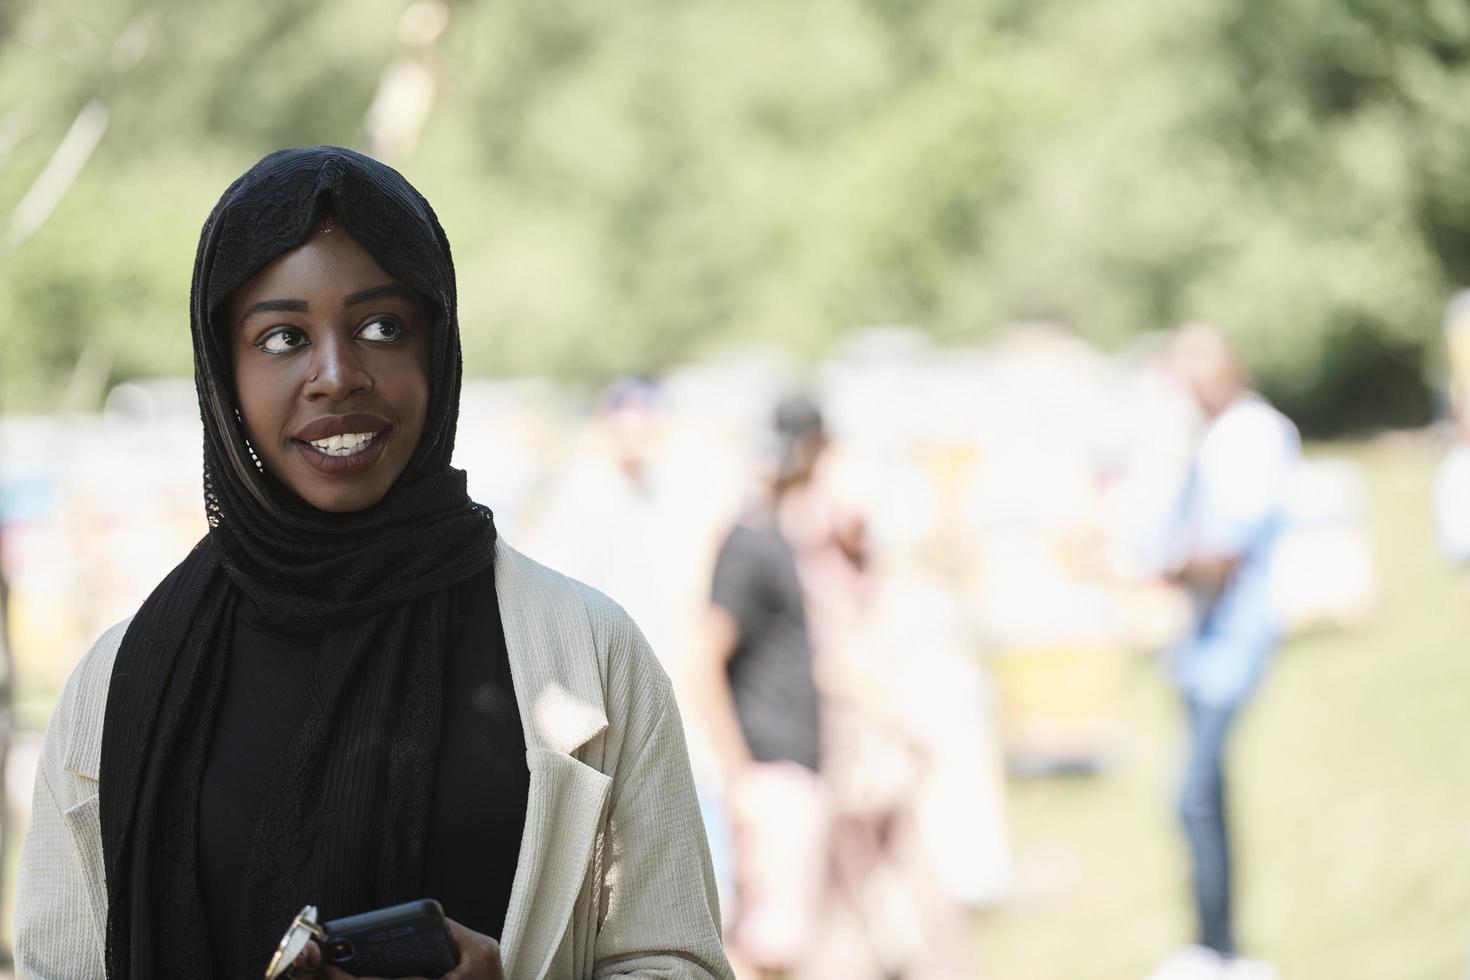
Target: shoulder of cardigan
557, 664
82, 707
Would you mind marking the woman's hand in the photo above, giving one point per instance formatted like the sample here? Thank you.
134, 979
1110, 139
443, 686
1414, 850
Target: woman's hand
479, 955
479, 959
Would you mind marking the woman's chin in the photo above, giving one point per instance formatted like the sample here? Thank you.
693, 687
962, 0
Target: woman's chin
337, 496
341, 484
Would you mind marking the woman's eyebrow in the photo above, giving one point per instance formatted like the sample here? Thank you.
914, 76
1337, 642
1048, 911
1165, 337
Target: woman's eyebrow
276, 306
377, 292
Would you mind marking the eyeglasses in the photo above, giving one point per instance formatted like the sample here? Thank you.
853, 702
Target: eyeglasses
304, 929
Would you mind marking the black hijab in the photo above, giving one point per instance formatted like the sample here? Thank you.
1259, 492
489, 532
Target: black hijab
343, 824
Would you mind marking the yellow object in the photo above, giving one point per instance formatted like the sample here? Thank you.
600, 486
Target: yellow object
1061, 704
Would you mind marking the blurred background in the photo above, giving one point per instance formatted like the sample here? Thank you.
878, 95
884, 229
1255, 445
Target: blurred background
962, 229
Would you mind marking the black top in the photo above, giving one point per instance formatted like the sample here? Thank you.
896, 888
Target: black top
770, 671
480, 786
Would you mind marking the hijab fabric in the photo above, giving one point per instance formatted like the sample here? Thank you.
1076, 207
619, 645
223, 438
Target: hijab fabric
343, 824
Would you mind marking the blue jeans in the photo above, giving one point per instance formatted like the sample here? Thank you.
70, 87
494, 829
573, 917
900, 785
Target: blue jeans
1202, 809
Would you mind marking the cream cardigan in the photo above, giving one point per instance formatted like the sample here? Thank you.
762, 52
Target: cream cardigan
614, 874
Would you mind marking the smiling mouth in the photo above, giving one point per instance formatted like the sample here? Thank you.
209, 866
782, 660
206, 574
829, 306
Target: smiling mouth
345, 455
347, 444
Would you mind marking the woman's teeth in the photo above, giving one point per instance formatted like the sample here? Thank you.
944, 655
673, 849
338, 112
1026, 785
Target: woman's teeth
347, 444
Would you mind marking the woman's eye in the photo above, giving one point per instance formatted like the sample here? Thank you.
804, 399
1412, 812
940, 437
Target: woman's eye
381, 331
282, 340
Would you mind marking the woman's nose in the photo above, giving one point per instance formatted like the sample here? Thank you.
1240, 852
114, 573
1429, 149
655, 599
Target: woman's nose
338, 372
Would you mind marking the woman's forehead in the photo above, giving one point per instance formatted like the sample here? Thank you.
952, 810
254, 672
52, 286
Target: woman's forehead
329, 258
330, 262
275, 209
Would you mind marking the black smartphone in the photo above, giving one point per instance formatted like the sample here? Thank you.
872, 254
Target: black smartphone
408, 940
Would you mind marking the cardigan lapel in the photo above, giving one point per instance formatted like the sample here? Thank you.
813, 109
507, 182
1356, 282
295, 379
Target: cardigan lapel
558, 687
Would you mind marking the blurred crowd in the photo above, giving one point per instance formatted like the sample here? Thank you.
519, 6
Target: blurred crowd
880, 584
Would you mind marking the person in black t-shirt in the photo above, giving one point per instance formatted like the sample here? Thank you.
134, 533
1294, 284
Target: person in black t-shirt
757, 693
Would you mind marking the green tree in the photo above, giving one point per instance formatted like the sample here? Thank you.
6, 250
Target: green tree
628, 185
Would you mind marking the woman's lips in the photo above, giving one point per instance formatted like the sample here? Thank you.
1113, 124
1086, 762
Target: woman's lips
343, 466
336, 425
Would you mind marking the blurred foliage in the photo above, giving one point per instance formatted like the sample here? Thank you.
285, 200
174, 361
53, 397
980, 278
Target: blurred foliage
627, 185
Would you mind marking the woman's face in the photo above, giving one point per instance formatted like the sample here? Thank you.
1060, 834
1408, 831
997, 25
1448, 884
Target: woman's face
331, 366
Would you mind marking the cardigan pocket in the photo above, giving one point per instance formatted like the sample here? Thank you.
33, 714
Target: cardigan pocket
83, 821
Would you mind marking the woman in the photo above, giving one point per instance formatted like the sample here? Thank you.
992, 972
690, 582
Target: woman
351, 693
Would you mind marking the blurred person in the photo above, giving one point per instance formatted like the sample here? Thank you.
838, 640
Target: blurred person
898, 786
753, 681
7, 714
1228, 520
1452, 478
352, 692
1456, 324
1452, 500
610, 519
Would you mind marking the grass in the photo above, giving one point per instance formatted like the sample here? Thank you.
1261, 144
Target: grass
1350, 800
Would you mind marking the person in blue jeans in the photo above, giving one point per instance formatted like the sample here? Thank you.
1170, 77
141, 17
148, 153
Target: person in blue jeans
1228, 522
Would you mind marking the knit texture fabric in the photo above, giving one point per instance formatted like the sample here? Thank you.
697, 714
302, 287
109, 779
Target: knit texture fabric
344, 823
